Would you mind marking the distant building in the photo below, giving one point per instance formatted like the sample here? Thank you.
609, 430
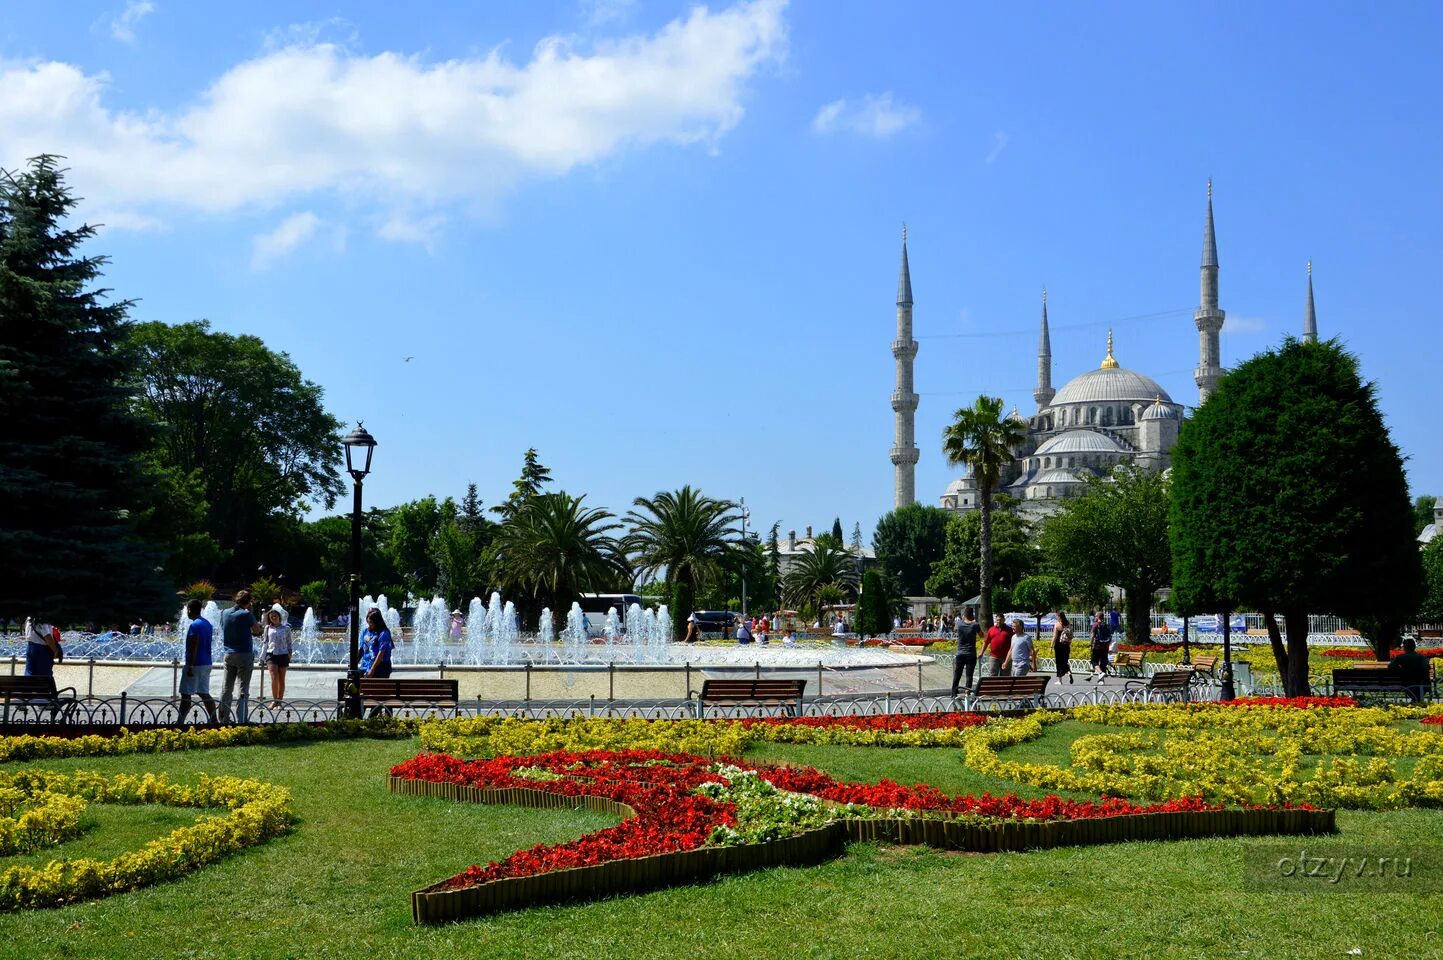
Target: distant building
1106, 416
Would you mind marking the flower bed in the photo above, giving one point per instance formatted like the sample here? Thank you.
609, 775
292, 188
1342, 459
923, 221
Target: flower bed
499, 736
29, 820
257, 812
1331, 756
689, 817
27, 747
1367, 653
1297, 703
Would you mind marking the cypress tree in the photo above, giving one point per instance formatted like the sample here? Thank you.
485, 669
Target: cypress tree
70, 442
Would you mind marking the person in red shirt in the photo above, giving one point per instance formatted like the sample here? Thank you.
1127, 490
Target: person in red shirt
999, 642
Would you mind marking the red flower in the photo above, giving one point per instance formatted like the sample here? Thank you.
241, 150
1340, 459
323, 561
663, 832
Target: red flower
1301, 703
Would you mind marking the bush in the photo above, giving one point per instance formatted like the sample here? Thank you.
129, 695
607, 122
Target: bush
202, 590
265, 591
314, 595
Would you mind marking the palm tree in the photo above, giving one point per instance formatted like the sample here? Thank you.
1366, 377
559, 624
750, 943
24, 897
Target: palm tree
826, 568
688, 534
555, 547
982, 438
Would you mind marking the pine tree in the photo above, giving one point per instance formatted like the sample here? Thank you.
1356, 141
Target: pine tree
837, 530
533, 477
70, 452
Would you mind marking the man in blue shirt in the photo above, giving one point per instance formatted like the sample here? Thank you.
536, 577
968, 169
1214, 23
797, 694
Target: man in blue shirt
237, 626
195, 678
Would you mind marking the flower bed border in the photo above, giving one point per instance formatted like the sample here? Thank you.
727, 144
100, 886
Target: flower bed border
434, 904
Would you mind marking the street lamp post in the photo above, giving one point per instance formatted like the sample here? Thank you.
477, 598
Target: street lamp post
1227, 691
358, 439
746, 515
1185, 653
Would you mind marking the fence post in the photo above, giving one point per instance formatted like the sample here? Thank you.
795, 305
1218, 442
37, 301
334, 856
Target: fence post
819, 679
527, 698
90, 680
174, 676
12, 665
688, 679
610, 682
591, 710
919, 676
122, 708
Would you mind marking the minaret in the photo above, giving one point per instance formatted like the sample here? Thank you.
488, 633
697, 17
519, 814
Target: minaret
1044, 392
1209, 318
1310, 322
904, 399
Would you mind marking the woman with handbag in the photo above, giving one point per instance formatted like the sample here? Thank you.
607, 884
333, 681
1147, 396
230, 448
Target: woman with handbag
276, 652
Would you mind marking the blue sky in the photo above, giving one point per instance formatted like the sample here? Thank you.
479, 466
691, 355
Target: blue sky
660, 242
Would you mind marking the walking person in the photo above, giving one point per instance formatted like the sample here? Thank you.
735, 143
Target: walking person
693, 629
1101, 643
276, 653
999, 641
42, 649
237, 627
744, 632
968, 631
195, 678
1062, 645
1021, 652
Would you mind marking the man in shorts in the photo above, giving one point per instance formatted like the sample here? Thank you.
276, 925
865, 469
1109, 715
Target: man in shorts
195, 678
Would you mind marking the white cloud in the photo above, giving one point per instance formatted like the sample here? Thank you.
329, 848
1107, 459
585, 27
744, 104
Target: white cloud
122, 27
392, 130
290, 233
599, 12
1000, 140
402, 227
875, 115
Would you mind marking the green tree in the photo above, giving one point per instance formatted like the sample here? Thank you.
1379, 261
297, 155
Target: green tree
820, 575
72, 474
524, 488
908, 541
1038, 595
837, 529
555, 548
240, 418
958, 574
1431, 610
688, 535
874, 608
1116, 533
313, 594
983, 440
1423, 512
460, 563
1289, 497
412, 542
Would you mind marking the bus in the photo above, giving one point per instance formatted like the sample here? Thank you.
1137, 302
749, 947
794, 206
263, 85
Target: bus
595, 606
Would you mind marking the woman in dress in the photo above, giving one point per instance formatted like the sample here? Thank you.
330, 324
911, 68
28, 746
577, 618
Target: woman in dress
376, 662
1062, 645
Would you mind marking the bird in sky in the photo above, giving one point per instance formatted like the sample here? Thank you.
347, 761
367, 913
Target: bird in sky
407, 359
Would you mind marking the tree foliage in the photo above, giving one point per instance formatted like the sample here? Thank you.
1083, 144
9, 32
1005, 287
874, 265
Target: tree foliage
241, 420
685, 533
983, 440
1431, 610
1116, 533
72, 475
874, 609
908, 541
534, 476
1289, 497
820, 575
958, 574
555, 548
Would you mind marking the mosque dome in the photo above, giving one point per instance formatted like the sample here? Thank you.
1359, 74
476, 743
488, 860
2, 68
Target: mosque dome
1057, 476
1110, 383
1079, 441
1159, 411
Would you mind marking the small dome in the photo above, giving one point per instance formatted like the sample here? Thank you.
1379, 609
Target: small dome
1159, 411
1056, 476
1110, 385
1079, 441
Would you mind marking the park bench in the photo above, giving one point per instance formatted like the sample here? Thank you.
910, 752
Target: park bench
1372, 680
1129, 661
1027, 690
1164, 685
756, 692
40, 693
1206, 665
384, 695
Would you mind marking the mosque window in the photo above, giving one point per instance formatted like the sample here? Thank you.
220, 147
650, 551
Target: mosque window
1091, 415
1107, 416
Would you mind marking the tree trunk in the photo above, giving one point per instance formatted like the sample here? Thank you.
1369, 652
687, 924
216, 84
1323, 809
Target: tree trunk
1280, 653
1138, 604
1297, 623
985, 574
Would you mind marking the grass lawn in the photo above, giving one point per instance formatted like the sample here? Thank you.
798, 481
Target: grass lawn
339, 884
